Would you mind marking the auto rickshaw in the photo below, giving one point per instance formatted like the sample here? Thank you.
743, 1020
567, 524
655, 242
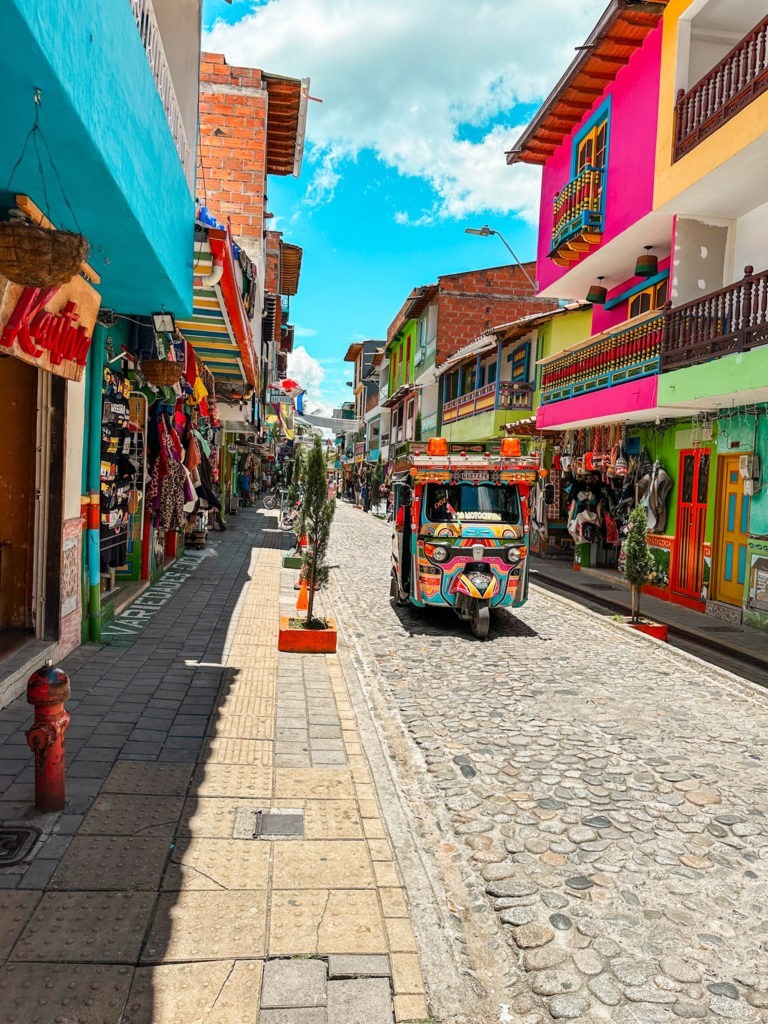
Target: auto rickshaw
460, 529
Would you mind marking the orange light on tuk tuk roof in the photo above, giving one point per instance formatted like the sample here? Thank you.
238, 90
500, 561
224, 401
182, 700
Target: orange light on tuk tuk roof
510, 446
437, 446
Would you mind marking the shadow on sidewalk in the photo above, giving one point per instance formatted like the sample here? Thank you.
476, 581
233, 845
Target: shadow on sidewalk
107, 910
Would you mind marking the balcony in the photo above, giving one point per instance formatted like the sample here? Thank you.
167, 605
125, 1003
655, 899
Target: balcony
616, 358
485, 399
734, 319
577, 217
739, 78
146, 22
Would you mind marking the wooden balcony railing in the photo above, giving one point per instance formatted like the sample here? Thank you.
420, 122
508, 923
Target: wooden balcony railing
578, 207
734, 319
729, 87
485, 399
616, 358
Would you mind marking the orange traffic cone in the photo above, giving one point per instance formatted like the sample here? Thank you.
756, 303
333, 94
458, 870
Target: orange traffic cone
302, 602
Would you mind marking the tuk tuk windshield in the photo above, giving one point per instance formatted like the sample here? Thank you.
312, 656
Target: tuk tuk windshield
469, 502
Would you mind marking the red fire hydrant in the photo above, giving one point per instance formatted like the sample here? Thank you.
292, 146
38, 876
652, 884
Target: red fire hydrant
47, 690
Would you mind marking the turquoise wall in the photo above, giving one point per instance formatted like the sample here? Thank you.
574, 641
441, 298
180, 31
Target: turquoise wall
107, 131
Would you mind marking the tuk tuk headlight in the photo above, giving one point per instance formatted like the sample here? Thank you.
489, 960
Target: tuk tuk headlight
440, 553
513, 555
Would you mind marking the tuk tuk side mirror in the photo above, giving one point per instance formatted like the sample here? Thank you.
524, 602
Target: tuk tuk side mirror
549, 494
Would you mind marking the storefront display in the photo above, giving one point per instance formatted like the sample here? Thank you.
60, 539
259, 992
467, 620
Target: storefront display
122, 458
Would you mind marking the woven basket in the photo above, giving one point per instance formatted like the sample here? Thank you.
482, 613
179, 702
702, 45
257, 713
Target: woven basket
160, 372
39, 258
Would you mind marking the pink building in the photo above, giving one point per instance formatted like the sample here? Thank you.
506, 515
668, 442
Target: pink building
595, 139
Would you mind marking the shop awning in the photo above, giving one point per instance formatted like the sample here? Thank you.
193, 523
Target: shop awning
219, 330
290, 268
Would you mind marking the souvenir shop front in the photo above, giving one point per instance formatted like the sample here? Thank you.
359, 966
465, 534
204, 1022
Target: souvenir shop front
600, 474
153, 443
45, 336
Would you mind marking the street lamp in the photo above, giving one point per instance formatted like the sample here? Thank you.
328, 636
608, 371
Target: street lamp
485, 231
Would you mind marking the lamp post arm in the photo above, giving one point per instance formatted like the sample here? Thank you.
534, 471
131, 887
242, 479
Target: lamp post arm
514, 256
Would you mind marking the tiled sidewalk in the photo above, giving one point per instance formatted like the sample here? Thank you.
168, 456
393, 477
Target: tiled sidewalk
150, 899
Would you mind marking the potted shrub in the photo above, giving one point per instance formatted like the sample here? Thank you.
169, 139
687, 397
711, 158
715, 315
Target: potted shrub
638, 566
313, 633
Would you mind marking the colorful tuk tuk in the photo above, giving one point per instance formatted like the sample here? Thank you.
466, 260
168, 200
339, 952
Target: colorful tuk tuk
460, 528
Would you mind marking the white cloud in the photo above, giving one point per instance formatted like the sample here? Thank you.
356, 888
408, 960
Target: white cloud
304, 332
412, 81
307, 370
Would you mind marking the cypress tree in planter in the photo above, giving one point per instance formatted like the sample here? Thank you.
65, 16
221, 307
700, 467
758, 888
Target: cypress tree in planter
318, 513
638, 560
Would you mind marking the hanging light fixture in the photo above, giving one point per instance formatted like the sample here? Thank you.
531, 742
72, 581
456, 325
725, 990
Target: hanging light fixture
597, 294
647, 265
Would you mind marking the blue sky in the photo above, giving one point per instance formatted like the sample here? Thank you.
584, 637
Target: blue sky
420, 100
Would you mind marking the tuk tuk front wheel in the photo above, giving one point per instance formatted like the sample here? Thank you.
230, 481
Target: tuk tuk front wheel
480, 620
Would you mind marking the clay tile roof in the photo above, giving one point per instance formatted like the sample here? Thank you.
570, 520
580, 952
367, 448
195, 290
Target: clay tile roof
617, 35
286, 123
290, 268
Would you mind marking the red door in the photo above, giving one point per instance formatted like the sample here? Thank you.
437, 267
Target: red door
688, 570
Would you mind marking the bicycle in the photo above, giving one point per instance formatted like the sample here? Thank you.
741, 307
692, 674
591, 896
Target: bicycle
272, 498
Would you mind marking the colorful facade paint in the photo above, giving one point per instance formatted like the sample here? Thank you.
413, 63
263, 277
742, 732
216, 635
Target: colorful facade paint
629, 106
109, 135
681, 67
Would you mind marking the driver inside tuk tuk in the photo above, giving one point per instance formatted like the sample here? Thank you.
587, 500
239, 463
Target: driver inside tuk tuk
441, 510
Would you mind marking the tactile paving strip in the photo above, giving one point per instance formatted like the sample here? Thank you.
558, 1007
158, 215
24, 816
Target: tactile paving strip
115, 814
15, 910
144, 777
90, 927
111, 862
81, 994
233, 780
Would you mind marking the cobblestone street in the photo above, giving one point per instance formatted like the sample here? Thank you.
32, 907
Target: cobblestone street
594, 802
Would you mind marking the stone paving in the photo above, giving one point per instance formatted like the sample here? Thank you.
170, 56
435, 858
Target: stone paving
605, 798
156, 897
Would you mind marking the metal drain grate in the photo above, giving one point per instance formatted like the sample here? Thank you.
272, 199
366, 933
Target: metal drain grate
16, 841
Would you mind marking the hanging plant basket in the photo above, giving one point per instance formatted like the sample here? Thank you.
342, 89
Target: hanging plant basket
37, 257
161, 372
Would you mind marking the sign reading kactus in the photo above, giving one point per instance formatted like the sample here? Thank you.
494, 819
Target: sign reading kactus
49, 327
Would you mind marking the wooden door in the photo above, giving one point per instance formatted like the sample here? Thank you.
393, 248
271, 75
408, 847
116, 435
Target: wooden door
688, 569
18, 400
731, 523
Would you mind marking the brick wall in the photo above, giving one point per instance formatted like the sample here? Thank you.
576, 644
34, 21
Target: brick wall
470, 303
233, 135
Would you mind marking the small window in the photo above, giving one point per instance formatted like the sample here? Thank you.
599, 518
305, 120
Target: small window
591, 151
491, 375
648, 299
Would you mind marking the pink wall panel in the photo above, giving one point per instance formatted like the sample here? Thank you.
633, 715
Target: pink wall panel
608, 405
631, 153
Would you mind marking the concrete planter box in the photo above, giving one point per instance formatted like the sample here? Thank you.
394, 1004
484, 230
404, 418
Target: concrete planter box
654, 629
306, 641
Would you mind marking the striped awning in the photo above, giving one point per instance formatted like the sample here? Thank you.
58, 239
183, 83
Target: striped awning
218, 329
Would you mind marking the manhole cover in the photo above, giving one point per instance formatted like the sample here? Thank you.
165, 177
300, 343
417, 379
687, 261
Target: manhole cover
282, 823
15, 843
285, 823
